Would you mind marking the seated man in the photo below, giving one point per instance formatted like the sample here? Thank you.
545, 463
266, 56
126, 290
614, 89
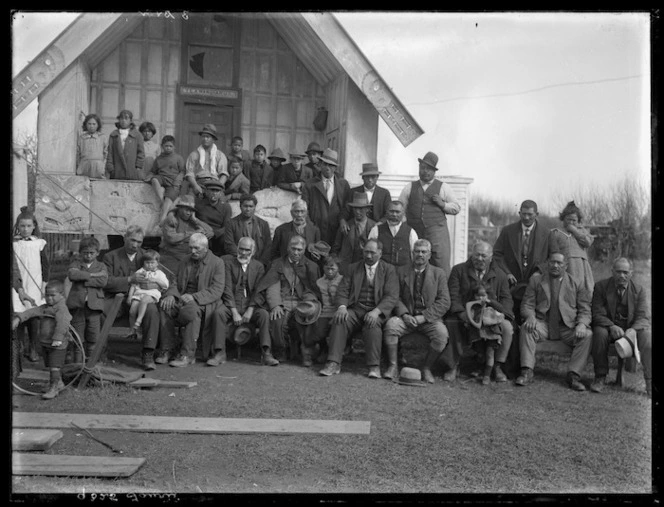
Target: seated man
122, 264
290, 280
348, 246
195, 295
240, 296
554, 307
293, 175
247, 224
211, 210
366, 296
620, 309
301, 226
423, 300
465, 280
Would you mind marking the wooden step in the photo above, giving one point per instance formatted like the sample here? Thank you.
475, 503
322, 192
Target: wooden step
79, 466
25, 439
155, 382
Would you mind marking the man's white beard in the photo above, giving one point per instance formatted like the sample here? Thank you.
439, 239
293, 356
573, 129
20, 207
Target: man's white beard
242, 261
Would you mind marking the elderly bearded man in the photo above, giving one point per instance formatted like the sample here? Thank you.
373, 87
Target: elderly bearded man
299, 226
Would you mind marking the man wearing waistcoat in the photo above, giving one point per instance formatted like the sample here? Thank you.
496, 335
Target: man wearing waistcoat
398, 238
427, 203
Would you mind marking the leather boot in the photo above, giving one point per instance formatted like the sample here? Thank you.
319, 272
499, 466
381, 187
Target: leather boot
267, 358
56, 385
392, 361
429, 361
147, 359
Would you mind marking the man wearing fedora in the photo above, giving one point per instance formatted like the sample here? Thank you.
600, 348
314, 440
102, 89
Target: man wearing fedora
207, 157
293, 175
465, 280
398, 238
212, 210
299, 226
379, 197
290, 280
176, 229
192, 301
313, 153
327, 196
241, 299
423, 300
555, 307
348, 247
428, 201
366, 297
620, 311
249, 225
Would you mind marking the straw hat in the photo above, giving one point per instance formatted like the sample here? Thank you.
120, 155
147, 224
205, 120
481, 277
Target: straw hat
411, 377
330, 156
243, 334
307, 312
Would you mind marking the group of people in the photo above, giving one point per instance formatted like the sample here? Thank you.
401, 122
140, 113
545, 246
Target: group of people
352, 260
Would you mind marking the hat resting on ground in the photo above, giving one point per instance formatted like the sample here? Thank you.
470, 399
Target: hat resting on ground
243, 334
360, 201
277, 153
411, 377
208, 128
330, 156
370, 170
185, 201
315, 147
430, 159
307, 312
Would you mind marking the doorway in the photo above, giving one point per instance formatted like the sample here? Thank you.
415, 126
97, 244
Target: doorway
196, 114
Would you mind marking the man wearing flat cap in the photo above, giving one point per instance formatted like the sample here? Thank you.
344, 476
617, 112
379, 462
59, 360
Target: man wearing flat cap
299, 226
211, 209
348, 247
327, 196
379, 197
207, 157
428, 201
313, 152
293, 175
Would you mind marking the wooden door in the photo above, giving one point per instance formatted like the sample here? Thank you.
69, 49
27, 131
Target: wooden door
196, 115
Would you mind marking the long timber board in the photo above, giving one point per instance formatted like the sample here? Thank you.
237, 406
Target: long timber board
79, 466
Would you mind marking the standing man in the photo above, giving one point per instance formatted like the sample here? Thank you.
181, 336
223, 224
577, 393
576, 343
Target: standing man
554, 307
366, 298
620, 309
349, 247
290, 280
249, 225
313, 153
217, 214
379, 197
423, 300
398, 238
299, 226
293, 175
427, 203
206, 158
327, 196
194, 299
122, 264
240, 296
465, 280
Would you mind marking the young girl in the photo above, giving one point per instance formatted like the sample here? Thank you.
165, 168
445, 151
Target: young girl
486, 334
237, 183
91, 149
33, 265
328, 285
150, 146
138, 298
166, 175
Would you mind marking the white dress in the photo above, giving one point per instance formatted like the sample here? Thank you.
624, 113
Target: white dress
153, 276
28, 258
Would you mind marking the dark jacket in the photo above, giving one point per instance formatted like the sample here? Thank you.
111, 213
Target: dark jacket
260, 233
284, 232
217, 216
86, 289
435, 293
119, 269
386, 286
127, 163
286, 176
605, 300
380, 199
307, 271
325, 215
255, 271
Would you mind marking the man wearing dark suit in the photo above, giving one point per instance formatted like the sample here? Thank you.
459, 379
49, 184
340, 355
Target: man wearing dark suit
620, 309
290, 280
465, 280
293, 175
423, 300
249, 225
313, 153
349, 246
192, 300
122, 264
379, 197
241, 297
300, 226
554, 307
366, 297
211, 209
327, 196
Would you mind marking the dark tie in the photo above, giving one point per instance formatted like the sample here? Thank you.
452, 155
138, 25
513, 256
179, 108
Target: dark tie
621, 293
525, 247
554, 311
248, 228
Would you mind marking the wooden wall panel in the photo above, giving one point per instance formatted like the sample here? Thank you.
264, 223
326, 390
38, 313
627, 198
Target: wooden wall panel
264, 111
132, 63
283, 139
111, 68
153, 107
109, 99
155, 64
285, 113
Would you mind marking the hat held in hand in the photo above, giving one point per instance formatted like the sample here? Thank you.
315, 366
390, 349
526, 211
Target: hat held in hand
307, 312
243, 334
627, 346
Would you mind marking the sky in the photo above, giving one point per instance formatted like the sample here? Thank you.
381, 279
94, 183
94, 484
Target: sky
527, 104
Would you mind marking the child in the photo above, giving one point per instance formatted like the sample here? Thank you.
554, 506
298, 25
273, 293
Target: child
238, 152
260, 173
276, 159
86, 296
293, 175
487, 333
54, 333
237, 184
125, 150
33, 265
138, 298
92, 149
328, 285
167, 175
150, 146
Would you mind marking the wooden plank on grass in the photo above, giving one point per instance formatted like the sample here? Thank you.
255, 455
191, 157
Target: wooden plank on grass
25, 439
155, 382
160, 424
79, 466
29, 374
